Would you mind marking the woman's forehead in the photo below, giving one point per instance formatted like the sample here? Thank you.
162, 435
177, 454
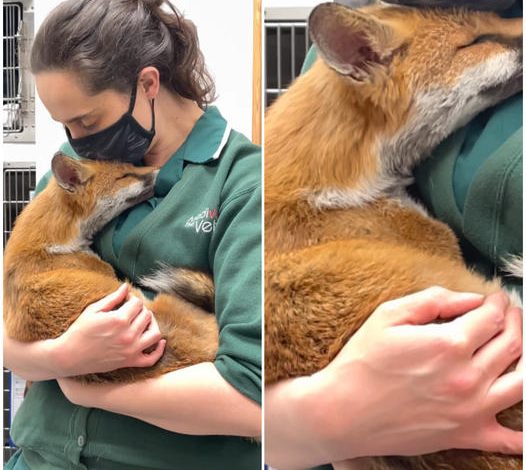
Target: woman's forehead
66, 98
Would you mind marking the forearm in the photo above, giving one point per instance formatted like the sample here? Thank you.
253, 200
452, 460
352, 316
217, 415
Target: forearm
195, 400
32, 361
293, 417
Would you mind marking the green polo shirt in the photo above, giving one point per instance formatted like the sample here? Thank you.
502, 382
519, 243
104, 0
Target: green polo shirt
473, 182
205, 214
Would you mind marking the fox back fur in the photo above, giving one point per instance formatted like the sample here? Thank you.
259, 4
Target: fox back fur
342, 235
51, 275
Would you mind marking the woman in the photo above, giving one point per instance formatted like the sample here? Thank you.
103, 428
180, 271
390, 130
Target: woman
127, 80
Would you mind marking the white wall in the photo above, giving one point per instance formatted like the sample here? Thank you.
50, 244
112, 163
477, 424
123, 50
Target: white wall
48, 134
226, 41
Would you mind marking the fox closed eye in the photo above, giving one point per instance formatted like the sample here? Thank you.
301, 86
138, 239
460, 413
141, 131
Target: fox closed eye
129, 175
480, 40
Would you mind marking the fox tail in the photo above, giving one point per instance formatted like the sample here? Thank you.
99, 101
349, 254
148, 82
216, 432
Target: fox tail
193, 286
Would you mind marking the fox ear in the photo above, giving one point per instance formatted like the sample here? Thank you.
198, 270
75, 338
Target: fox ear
69, 173
351, 42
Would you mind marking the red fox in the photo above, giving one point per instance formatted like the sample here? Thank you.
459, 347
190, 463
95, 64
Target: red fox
341, 234
51, 275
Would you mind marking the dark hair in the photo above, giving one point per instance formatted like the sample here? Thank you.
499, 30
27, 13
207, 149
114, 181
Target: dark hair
108, 42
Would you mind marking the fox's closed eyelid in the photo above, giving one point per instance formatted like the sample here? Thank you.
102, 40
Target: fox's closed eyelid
479, 39
128, 175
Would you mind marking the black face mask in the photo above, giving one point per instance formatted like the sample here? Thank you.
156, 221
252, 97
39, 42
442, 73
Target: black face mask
125, 141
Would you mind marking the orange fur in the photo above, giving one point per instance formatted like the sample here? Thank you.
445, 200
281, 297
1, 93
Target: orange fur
328, 269
44, 292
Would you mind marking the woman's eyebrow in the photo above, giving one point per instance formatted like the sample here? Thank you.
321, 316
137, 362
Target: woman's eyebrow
75, 119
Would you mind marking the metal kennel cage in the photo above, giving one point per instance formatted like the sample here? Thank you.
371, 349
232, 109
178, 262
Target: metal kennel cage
19, 179
18, 90
286, 44
19, 183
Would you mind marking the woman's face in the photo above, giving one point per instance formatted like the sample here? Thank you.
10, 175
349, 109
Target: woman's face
68, 103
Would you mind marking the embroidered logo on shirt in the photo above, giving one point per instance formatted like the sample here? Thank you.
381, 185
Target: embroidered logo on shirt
204, 222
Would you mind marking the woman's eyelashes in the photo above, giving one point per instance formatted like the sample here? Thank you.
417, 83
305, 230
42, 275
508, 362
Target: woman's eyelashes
91, 126
81, 129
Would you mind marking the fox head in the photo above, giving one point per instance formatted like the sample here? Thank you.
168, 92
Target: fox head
491, 5
98, 191
390, 84
433, 69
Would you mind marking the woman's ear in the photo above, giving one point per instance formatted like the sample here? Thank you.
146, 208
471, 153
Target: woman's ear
351, 42
149, 80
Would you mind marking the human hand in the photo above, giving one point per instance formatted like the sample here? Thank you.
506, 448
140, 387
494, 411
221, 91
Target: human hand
103, 339
405, 386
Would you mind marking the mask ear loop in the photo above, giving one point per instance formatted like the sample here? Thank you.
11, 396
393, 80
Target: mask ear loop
132, 105
132, 99
153, 116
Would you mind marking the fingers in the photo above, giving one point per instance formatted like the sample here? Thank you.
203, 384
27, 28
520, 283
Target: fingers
146, 330
129, 310
149, 337
141, 322
149, 359
478, 326
505, 392
497, 355
149, 345
429, 305
502, 440
111, 301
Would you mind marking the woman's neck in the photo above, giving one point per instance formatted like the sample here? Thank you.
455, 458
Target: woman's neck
175, 117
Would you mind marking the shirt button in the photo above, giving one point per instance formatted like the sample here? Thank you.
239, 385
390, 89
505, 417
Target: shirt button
81, 441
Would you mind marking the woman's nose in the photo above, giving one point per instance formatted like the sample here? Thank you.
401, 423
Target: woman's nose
74, 132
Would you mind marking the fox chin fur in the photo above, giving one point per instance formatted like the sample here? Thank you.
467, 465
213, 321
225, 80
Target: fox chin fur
342, 235
51, 275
